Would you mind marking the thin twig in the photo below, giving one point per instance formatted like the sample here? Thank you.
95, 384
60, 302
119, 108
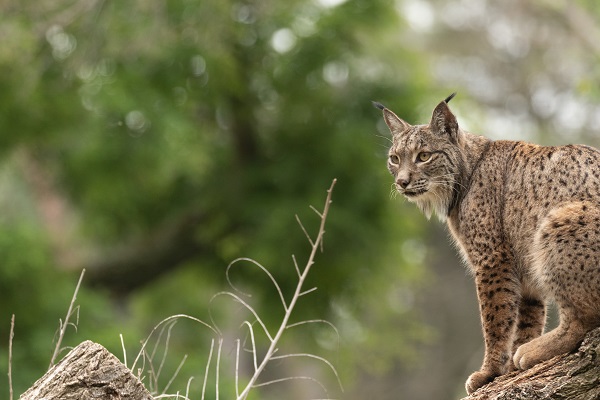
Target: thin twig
152, 379
307, 291
307, 355
168, 319
167, 342
304, 230
320, 216
170, 396
142, 368
212, 346
317, 321
314, 321
293, 378
296, 266
187, 387
10, 342
251, 329
273, 345
266, 271
237, 368
124, 351
316, 211
175, 374
159, 338
63, 326
249, 307
218, 368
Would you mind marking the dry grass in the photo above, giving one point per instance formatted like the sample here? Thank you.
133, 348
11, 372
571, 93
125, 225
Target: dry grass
149, 362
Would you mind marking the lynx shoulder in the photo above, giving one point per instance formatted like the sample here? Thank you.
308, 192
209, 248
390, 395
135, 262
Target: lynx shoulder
526, 219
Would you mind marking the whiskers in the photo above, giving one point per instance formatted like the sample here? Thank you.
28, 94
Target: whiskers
386, 138
393, 191
446, 180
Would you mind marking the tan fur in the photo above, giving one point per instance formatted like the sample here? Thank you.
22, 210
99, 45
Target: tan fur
526, 219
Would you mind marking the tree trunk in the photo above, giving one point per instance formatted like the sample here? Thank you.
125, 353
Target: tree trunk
573, 376
88, 372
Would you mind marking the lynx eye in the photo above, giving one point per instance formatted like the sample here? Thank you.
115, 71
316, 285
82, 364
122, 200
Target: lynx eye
424, 156
394, 159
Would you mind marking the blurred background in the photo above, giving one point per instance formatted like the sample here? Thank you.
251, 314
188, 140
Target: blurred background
153, 142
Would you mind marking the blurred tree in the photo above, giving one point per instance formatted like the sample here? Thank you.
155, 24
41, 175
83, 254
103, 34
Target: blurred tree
529, 68
153, 142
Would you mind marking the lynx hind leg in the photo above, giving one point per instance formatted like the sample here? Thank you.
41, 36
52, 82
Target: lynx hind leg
532, 318
566, 266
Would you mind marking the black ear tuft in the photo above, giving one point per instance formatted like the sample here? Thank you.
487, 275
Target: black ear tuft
378, 105
447, 100
443, 122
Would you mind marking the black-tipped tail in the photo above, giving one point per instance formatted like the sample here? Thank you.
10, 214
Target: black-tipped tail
447, 100
378, 105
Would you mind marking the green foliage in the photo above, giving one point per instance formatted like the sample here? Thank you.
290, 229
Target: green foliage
243, 112
37, 294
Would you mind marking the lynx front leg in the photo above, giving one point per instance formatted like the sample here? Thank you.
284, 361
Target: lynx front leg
498, 291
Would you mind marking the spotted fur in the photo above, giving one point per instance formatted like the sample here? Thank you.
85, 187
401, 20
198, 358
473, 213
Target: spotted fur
525, 218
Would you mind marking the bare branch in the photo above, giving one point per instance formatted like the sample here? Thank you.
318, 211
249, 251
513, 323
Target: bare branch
299, 290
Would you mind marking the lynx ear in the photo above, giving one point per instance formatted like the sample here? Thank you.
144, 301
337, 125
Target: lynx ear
443, 122
395, 123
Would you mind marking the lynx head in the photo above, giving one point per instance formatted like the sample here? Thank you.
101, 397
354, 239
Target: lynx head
425, 160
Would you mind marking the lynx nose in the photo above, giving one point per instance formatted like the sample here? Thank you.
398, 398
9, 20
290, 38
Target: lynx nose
403, 182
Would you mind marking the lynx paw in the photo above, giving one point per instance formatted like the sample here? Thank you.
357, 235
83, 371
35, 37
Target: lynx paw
478, 379
529, 354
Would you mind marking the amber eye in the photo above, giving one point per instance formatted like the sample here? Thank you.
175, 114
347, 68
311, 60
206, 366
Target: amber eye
424, 156
394, 159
